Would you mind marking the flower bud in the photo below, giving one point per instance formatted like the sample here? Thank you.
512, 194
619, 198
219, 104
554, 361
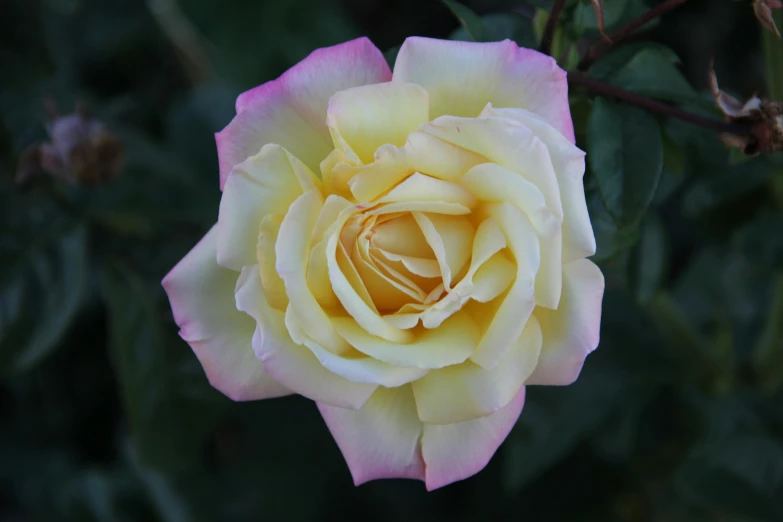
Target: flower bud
80, 150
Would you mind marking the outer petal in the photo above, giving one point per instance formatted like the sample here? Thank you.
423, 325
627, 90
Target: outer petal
571, 332
467, 391
385, 439
291, 111
492, 182
508, 143
455, 452
509, 318
353, 366
569, 164
382, 439
462, 77
288, 362
202, 299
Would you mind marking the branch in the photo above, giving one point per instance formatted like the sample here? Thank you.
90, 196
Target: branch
185, 37
551, 26
581, 79
601, 47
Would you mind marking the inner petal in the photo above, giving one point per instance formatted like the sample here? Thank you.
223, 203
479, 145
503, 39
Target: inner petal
386, 293
423, 273
402, 236
451, 239
419, 187
401, 276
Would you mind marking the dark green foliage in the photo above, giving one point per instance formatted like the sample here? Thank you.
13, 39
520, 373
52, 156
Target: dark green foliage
625, 153
646, 68
106, 415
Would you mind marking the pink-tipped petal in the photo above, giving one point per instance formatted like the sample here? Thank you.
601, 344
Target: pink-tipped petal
202, 299
454, 452
382, 439
291, 110
571, 332
462, 77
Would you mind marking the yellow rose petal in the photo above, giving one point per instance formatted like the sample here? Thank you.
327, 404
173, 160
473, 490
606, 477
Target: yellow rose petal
466, 391
452, 343
274, 288
402, 236
419, 187
364, 118
293, 249
508, 318
569, 165
492, 183
264, 184
451, 238
365, 314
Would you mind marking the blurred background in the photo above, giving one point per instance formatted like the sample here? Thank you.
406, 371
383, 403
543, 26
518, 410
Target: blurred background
106, 415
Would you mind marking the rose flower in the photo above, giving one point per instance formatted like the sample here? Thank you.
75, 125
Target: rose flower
408, 250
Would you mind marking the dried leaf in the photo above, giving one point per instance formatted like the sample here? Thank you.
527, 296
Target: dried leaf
763, 10
728, 104
764, 120
599, 12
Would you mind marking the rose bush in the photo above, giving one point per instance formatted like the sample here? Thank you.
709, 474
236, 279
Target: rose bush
408, 250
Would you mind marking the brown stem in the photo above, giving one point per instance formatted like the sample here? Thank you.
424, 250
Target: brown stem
601, 47
581, 79
551, 26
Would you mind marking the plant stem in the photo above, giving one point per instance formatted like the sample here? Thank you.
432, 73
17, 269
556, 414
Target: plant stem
601, 47
551, 26
581, 79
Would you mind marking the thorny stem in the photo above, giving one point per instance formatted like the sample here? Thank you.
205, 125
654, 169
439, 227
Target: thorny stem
601, 47
551, 25
581, 79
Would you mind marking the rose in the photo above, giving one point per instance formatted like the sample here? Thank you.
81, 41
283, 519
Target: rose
409, 251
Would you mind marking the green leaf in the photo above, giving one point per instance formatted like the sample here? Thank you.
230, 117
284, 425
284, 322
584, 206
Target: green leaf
586, 17
556, 419
502, 26
191, 123
741, 475
773, 59
45, 281
468, 19
648, 69
541, 4
611, 240
170, 407
696, 355
169, 503
673, 174
648, 260
768, 352
581, 107
625, 154
724, 184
